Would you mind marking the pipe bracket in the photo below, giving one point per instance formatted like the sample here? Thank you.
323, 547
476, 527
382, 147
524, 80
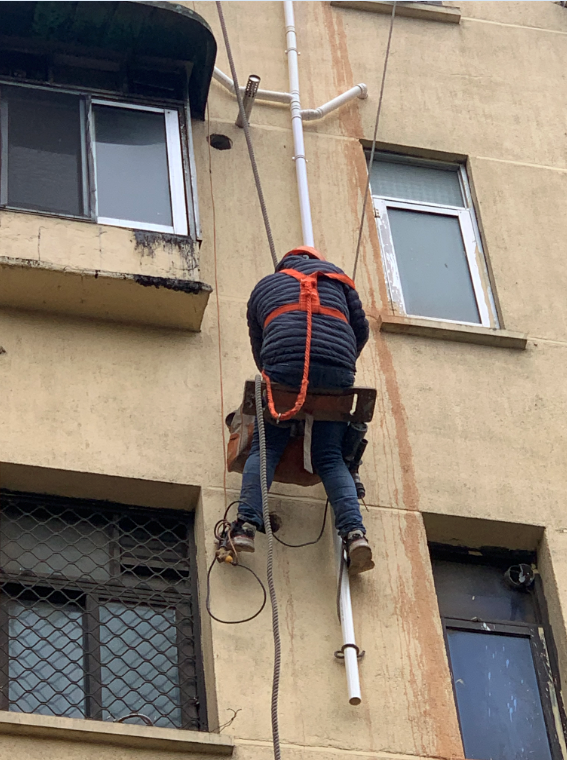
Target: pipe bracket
340, 653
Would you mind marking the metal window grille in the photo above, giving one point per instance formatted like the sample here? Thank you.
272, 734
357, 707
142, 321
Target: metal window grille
98, 617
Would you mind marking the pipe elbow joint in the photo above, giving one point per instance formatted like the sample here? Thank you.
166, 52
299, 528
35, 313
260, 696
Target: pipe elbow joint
363, 91
311, 114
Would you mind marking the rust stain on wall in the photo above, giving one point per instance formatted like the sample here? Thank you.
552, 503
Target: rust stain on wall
428, 672
428, 668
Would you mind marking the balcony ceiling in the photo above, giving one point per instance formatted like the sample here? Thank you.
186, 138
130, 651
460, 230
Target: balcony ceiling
123, 30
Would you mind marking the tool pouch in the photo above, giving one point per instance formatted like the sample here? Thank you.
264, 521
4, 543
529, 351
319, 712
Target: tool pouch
290, 468
241, 427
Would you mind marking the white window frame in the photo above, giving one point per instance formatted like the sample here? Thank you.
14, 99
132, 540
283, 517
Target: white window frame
471, 241
174, 165
182, 172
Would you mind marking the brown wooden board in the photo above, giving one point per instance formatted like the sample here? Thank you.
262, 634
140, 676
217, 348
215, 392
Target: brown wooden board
354, 404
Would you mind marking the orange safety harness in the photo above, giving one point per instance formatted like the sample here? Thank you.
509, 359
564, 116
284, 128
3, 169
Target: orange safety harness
310, 303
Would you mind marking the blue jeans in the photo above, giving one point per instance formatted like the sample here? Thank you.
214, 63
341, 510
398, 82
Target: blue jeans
328, 462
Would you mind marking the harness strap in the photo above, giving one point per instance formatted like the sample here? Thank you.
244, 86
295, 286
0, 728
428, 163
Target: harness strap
316, 306
341, 276
310, 303
327, 311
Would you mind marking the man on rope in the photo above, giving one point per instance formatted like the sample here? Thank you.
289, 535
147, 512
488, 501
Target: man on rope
307, 328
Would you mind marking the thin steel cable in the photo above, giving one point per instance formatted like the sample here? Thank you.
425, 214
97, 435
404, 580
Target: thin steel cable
371, 162
246, 128
308, 543
208, 597
270, 570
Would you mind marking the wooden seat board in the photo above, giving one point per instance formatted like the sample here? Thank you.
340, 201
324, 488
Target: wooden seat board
354, 404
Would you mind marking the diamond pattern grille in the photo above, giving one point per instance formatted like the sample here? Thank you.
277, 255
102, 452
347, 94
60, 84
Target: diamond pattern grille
97, 618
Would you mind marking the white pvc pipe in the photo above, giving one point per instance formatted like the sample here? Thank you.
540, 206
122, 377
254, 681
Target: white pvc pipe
358, 91
347, 622
297, 126
347, 625
307, 114
271, 95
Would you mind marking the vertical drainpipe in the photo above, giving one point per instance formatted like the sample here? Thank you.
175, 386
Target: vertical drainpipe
297, 125
347, 622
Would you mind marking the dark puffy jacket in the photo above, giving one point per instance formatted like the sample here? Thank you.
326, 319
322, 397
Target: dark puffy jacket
334, 343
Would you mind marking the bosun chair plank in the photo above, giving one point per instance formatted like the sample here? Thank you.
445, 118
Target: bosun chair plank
354, 404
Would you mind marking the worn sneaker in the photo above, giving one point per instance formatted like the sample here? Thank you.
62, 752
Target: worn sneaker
242, 536
359, 553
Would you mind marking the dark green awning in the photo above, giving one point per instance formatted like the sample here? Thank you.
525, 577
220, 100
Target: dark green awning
161, 31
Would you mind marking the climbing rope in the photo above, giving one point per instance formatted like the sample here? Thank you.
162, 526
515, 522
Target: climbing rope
271, 586
246, 127
371, 162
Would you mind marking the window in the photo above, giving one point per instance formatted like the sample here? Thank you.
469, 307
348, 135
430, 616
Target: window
497, 641
97, 612
430, 242
76, 155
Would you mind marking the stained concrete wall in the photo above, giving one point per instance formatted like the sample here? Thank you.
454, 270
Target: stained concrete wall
460, 430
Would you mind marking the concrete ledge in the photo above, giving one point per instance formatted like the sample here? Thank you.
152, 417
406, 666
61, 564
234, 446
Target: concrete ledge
114, 296
75, 484
444, 14
121, 734
431, 328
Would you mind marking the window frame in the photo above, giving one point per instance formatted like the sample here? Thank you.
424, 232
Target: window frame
538, 634
90, 603
174, 167
470, 233
91, 595
542, 668
180, 158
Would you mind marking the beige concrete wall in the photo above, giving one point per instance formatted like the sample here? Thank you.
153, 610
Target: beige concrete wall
460, 430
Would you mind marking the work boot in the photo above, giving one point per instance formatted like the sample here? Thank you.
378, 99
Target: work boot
242, 536
359, 553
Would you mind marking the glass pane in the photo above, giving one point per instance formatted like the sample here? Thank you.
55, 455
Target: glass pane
44, 151
497, 697
132, 176
46, 659
139, 664
433, 267
469, 591
410, 182
46, 545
